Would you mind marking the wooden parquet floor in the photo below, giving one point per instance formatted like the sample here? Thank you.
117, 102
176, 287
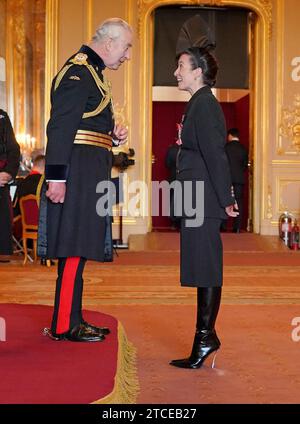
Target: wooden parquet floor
261, 296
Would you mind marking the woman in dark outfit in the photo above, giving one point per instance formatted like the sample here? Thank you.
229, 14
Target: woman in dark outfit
202, 158
9, 165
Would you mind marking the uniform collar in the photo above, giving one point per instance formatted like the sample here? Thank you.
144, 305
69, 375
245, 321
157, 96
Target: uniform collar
93, 56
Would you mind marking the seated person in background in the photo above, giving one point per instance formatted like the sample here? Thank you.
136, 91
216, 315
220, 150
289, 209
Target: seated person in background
30, 184
9, 164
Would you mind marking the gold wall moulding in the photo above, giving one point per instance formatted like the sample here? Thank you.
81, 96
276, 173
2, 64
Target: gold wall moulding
25, 59
262, 7
267, 6
51, 59
260, 90
120, 114
287, 194
286, 162
290, 124
147, 6
269, 206
280, 151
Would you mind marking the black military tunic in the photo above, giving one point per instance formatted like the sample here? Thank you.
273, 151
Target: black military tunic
9, 162
74, 228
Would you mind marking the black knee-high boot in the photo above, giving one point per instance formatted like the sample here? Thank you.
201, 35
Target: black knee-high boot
206, 340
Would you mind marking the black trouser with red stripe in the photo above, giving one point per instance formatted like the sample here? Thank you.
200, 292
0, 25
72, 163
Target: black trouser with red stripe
68, 295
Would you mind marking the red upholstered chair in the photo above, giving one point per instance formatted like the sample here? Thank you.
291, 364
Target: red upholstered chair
30, 218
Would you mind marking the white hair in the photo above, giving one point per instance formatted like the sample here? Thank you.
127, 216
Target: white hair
110, 29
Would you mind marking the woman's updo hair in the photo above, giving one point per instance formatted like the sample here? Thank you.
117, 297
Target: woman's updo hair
201, 57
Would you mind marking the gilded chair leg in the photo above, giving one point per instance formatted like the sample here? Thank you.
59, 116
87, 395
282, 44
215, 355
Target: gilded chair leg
35, 249
25, 250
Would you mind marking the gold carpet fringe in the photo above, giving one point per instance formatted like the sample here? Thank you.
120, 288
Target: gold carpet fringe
126, 387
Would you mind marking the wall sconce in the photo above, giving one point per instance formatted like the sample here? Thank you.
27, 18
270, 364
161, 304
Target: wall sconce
27, 145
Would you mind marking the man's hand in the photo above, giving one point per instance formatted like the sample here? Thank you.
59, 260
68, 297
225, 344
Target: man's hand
232, 210
4, 178
120, 133
56, 192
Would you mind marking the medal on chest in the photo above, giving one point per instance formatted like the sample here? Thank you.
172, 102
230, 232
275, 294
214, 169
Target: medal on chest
179, 131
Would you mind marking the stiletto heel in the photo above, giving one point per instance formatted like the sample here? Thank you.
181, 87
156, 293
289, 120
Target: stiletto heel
211, 359
214, 360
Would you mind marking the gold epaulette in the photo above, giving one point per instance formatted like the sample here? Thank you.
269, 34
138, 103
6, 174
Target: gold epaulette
80, 59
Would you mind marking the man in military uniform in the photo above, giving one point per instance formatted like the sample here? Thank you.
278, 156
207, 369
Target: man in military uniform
81, 132
9, 165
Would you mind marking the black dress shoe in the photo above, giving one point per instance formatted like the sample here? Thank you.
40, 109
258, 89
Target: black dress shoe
99, 330
79, 333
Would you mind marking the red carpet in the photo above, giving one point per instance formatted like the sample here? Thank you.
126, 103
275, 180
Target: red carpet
36, 369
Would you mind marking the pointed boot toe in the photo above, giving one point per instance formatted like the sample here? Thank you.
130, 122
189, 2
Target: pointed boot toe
181, 363
187, 363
